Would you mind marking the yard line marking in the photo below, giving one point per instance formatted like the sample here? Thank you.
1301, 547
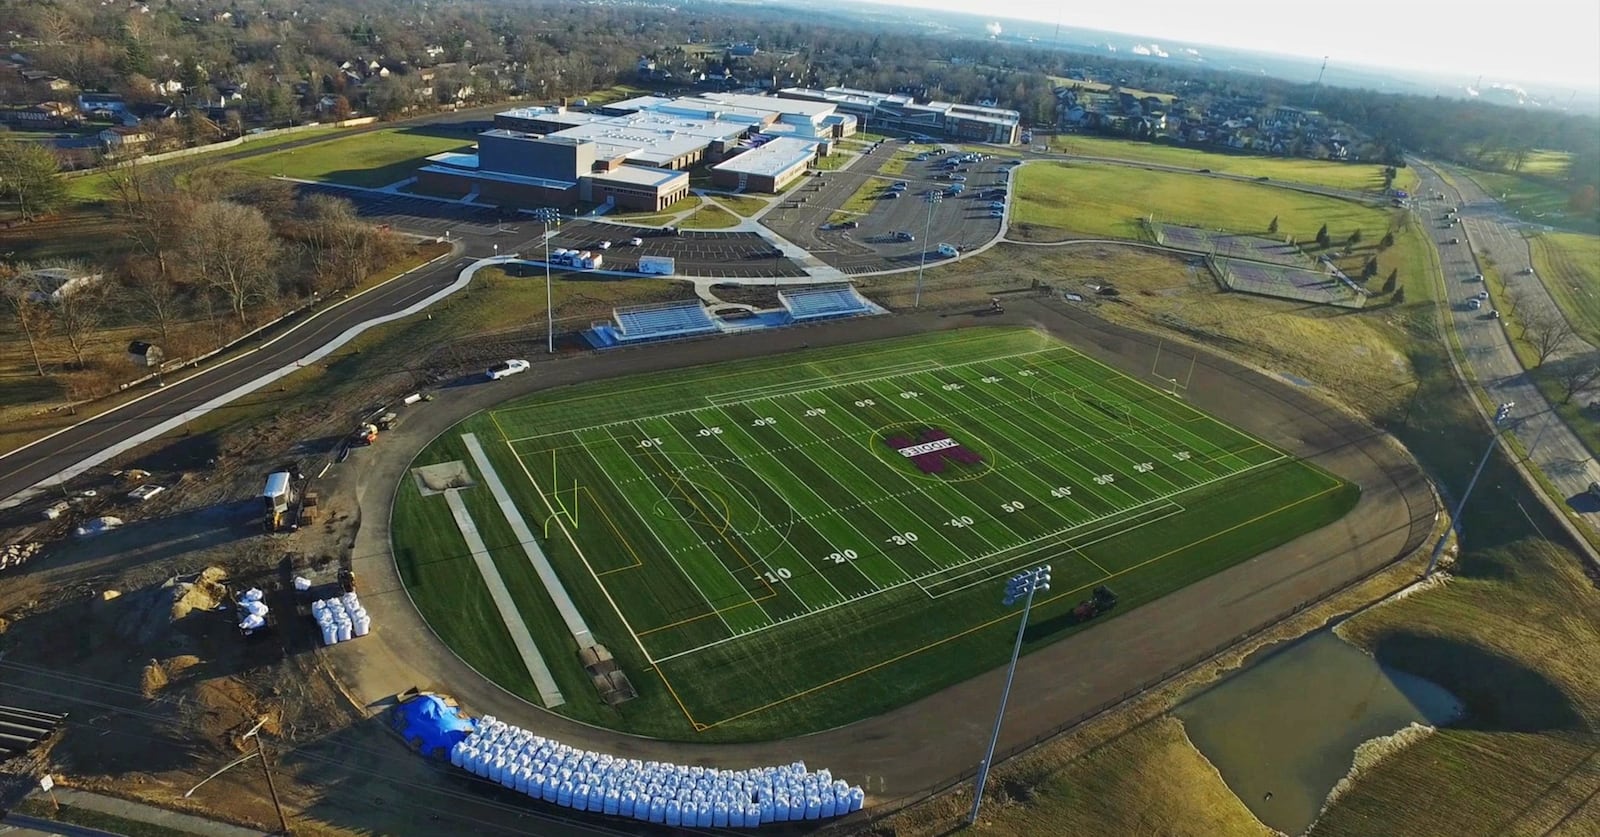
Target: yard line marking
728, 399
664, 550
838, 512
697, 408
792, 548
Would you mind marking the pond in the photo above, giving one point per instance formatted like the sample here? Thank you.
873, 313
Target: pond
1284, 731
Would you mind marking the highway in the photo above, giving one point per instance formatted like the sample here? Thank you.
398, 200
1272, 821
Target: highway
1553, 448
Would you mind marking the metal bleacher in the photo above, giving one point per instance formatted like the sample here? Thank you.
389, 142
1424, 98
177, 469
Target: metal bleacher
821, 302
662, 321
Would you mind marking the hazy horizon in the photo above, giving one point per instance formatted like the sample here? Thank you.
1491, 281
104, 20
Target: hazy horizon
1428, 37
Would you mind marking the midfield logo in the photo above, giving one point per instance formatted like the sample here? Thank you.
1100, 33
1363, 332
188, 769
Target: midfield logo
932, 449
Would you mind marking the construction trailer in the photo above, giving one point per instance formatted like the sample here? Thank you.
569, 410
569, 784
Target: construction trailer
657, 265
276, 498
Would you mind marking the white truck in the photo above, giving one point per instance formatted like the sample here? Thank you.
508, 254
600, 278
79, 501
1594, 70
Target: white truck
657, 265
581, 259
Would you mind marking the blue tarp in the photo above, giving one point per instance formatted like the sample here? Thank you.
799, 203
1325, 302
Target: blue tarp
432, 725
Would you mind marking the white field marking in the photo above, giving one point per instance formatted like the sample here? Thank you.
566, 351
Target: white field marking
921, 487
742, 395
895, 496
985, 556
827, 386
1169, 427
530, 547
504, 604
1114, 529
834, 512
796, 552
718, 561
623, 617
995, 411
1103, 450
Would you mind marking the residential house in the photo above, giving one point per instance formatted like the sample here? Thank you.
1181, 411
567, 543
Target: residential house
102, 105
56, 84
125, 140
433, 52
50, 284
154, 112
43, 114
171, 87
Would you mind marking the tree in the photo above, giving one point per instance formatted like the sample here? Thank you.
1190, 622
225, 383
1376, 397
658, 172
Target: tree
80, 310
231, 249
1393, 280
1354, 239
1272, 228
1547, 332
30, 176
1576, 374
1370, 269
27, 304
1322, 236
156, 294
341, 108
1387, 241
1399, 296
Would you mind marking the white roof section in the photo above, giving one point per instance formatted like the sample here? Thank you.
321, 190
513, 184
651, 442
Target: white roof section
528, 112
771, 103
773, 158
640, 176
638, 103
652, 137
503, 177
456, 159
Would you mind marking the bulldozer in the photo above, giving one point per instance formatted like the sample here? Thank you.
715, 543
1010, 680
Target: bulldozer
277, 497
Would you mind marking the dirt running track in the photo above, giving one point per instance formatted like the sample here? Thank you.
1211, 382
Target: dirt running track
942, 735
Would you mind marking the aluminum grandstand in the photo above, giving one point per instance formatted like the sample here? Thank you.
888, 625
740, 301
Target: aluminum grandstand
824, 302
689, 318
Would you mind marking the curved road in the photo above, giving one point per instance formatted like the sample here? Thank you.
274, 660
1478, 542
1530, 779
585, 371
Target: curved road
42, 462
1551, 444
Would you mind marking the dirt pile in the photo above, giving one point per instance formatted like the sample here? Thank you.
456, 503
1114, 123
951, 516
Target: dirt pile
158, 674
223, 709
203, 592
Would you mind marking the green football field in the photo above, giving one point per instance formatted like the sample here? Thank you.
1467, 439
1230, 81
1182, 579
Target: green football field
788, 544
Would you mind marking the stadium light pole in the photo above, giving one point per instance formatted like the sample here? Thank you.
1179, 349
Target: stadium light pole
1501, 414
932, 199
1021, 586
548, 216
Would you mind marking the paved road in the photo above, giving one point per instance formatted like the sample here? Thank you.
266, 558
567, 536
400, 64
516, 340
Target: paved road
23, 469
1553, 447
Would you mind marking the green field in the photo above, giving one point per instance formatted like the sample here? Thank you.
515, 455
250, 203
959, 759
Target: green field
1359, 177
1106, 200
763, 563
372, 159
1535, 200
1569, 266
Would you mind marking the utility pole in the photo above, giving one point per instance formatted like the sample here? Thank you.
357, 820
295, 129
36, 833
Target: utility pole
916, 301
272, 788
1021, 586
1500, 416
549, 216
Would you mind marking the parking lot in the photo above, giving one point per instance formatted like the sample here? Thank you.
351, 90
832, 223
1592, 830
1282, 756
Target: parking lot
962, 221
698, 252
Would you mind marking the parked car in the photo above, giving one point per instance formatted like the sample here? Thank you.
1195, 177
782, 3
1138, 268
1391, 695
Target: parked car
1474, 304
636, 242
850, 225
891, 195
1483, 294
902, 235
958, 178
1495, 314
506, 368
1477, 277
1455, 241
605, 245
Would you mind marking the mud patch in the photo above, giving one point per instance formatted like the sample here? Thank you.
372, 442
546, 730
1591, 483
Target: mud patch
437, 479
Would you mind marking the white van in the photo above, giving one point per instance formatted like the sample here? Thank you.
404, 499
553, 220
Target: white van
948, 251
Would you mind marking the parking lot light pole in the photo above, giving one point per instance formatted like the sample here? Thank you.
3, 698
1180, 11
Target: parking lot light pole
549, 216
916, 301
1021, 586
1500, 416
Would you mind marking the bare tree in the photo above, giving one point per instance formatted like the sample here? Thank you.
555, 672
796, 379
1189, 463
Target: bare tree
80, 309
231, 249
1576, 374
1547, 332
27, 302
156, 295
153, 207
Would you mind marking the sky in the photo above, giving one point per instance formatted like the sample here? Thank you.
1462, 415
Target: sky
1549, 41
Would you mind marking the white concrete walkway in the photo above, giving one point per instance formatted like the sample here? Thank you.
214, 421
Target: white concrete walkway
538, 669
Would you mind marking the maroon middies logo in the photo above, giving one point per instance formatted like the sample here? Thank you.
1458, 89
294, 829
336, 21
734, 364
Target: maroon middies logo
931, 449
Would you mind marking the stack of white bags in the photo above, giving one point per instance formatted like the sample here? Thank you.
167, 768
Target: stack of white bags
341, 619
253, 611
671, 794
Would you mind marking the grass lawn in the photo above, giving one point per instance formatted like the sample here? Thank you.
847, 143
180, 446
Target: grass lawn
1534, 200
1569, 266
835, 161
1103, 200
710, 218
685, 204
95, 186
1362, 177
742, 205
88, 818
1111, 790
372, 159
737, 515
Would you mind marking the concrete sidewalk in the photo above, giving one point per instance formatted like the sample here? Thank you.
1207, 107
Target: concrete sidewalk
140, 812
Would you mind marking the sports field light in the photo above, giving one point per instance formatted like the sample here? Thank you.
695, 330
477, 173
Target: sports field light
931, 199
1021, 587
549, 216
1502, 414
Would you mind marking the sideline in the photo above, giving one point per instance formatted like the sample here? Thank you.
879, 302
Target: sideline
197, 360
251, 386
